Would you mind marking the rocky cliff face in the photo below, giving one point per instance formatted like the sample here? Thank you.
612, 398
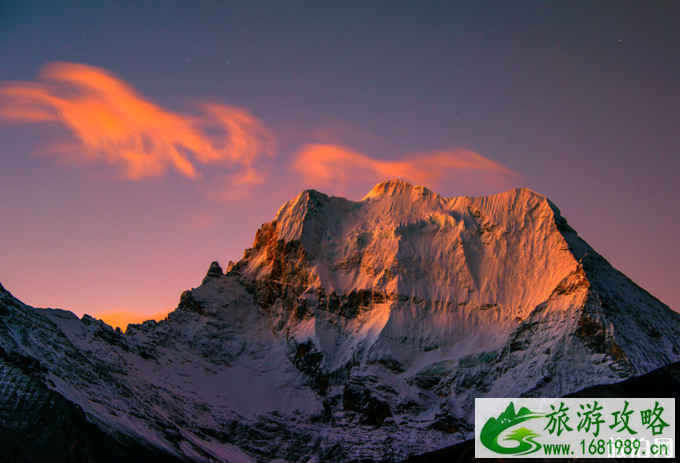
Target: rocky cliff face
354, 331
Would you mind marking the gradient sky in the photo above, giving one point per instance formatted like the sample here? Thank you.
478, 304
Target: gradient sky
140, 142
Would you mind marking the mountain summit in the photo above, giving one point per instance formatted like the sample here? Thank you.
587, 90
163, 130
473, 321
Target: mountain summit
350, 331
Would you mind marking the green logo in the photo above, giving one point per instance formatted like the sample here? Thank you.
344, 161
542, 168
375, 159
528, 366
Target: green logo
523, 436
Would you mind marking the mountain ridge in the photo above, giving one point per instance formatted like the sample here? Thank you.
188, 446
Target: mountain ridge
356, 330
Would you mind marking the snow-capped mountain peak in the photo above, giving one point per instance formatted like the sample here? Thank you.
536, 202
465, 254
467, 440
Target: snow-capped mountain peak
356, 329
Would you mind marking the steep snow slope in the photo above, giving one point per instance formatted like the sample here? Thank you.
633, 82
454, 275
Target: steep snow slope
358, 330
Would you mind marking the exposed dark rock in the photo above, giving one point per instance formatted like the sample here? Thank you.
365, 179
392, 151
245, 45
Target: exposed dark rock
188, 303
375, 411
353, 397
591, 332
358, 398
392, 364
310, 362
215, 271
427, 382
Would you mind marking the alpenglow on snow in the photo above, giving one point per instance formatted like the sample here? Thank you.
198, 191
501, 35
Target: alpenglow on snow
350, 330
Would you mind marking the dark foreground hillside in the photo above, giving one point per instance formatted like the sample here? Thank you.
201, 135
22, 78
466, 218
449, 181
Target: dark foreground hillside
664, 382
38, 425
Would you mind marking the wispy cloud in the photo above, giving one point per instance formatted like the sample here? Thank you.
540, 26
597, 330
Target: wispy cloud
333, 165
111, 122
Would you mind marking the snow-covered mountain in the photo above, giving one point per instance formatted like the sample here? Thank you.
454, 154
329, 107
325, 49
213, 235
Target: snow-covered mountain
350, 331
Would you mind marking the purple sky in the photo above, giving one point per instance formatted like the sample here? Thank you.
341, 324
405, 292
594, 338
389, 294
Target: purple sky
139, 143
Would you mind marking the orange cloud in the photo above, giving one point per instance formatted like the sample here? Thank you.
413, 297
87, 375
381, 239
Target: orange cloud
113, 123
323, 164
